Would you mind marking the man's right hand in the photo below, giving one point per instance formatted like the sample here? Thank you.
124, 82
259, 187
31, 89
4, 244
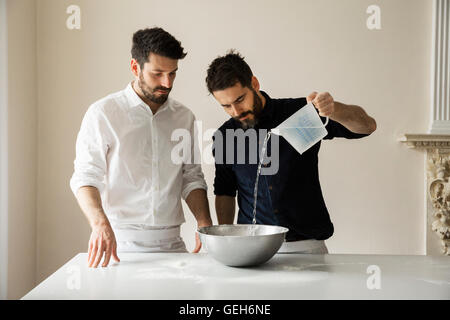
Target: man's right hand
102, 242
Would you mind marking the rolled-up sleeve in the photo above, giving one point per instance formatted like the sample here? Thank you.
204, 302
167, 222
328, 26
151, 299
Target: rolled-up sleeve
193, 177
91, 149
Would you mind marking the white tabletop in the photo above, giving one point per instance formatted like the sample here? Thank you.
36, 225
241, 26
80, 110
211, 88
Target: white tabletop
286, 276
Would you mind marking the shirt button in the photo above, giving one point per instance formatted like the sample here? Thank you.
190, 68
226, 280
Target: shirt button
270, 187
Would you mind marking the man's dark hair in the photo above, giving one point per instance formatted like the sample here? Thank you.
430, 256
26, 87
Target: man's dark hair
224, 72
155, 40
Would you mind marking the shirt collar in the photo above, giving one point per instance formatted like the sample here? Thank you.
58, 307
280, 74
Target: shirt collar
134, 100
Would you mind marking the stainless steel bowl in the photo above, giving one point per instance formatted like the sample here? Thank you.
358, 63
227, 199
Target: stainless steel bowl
242, 245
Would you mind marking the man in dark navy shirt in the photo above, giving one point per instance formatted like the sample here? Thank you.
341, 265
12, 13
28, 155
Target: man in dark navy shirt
291, 196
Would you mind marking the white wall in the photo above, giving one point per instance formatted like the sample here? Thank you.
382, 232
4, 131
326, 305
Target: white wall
3, 151
373, 187
22, 146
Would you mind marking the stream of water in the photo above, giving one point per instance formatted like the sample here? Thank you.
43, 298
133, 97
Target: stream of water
261, 159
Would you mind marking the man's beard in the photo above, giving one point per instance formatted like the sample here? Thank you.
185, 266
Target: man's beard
148, 92
256, 111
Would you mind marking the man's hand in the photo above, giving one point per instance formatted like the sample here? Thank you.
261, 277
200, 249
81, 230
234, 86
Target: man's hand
323, 102
354, 118
198, 243
102, 242
102, 239
198, 204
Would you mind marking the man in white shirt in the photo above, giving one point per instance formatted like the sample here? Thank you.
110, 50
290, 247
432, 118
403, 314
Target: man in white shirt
125, 181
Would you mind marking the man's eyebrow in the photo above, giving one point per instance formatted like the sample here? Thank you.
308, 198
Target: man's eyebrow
238, 98
159, 70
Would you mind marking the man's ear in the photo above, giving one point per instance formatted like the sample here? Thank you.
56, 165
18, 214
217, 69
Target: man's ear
135, 68
255, 83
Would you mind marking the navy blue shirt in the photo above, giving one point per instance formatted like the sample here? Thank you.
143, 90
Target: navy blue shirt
292, 197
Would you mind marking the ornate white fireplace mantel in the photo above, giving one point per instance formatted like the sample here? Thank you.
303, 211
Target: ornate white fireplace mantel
437, 148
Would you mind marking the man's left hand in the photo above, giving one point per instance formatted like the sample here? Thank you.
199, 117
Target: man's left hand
323, 102
198, 243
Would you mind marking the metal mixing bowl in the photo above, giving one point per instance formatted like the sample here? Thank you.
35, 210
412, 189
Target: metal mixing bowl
242, 245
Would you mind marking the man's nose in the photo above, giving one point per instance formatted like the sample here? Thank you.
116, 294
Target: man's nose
236, 111
166, 81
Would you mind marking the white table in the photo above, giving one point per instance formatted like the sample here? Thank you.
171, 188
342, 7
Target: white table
183, 276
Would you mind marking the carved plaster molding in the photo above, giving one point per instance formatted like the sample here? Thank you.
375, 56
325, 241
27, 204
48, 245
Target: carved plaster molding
438, 182
427, 141
438, 173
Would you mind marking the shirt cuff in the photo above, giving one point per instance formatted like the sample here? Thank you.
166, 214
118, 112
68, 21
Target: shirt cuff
77, 183
192, 186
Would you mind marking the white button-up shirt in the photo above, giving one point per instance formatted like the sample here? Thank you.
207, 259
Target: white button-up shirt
124, 150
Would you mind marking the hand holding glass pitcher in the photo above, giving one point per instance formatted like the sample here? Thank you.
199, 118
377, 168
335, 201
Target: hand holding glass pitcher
323, 102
